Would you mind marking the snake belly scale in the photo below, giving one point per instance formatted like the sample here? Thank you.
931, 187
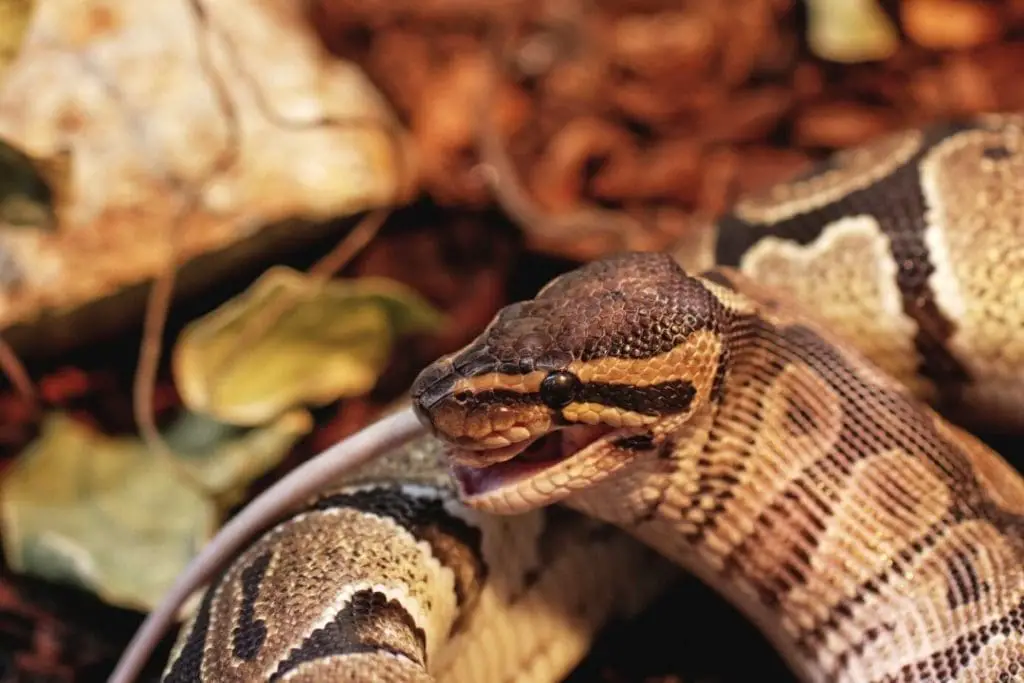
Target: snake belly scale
766, 409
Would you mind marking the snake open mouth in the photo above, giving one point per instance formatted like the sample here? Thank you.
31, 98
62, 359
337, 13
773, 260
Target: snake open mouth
525, 460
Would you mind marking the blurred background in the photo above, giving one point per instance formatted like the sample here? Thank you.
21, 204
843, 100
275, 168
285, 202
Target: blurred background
232, 231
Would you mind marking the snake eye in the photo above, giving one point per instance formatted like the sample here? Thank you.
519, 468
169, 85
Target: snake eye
559, 389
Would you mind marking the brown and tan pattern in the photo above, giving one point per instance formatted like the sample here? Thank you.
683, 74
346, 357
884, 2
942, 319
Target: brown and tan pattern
388, 578
917, 259
764, 425
971, 185
838, 512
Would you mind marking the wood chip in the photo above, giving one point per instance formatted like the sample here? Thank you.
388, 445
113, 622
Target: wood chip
950, 24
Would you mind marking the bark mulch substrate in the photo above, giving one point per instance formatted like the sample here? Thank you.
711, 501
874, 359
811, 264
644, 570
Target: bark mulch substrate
660, 111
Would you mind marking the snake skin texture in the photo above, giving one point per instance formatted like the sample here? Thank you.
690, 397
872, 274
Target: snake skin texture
387, 577
865, 538
771, 417
912, 248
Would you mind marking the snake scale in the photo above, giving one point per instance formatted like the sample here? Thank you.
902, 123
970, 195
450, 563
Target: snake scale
761, 410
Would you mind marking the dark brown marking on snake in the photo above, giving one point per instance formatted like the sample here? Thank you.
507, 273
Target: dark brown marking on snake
655, 399
434, 381
719, 278
964, 584
250, 633
452, 541
799, 495
717, 393
799, 418
636, 442
996, 152
871, 635
366, 624
674, 396
188, 667
898, 204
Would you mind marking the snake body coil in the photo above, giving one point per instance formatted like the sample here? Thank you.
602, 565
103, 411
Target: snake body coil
387, 572
764, 425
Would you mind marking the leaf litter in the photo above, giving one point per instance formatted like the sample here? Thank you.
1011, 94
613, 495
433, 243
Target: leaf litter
331, 341
99, 512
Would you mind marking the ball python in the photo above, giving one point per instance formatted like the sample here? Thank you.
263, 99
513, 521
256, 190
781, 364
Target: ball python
767, 410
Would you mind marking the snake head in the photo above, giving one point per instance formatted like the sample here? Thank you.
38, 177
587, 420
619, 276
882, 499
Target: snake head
565, 389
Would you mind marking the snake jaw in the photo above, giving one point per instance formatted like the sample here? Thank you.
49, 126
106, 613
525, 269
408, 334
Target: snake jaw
481, 475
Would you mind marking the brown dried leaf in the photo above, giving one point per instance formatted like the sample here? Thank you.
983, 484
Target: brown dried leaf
240, 103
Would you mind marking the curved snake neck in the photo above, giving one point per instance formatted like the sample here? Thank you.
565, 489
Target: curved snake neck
867, 538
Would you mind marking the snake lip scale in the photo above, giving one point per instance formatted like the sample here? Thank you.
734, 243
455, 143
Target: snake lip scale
521, 461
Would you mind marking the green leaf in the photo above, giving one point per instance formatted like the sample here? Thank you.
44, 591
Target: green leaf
225, 459
331, 340
102, 513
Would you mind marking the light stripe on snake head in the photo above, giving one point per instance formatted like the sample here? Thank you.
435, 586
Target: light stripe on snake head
564, 389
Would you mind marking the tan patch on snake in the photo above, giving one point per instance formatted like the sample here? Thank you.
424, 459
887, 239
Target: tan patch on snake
357, 668
734, 302
966, 580
598, 413
851, 266
854, 170
874, 519
802, 417
344, 548
693, 361
975, 233
520, 384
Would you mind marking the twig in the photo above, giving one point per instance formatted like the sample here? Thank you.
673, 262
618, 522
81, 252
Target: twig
354, 242
161, 293
342, 253
159, 300
16, 372
158, 306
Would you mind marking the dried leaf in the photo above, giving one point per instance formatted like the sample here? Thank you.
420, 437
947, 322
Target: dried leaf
102, 513
331, 340
225, 458
951, 24
14, 20
239, 103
